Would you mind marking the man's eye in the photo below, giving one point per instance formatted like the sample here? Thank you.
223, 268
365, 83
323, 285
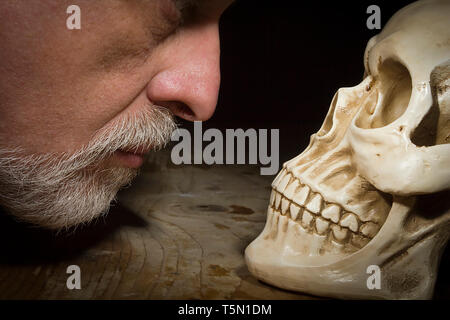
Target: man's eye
169, 19
173, 14
188, 9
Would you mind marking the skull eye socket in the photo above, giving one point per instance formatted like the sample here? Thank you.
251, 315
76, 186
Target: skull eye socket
388, 98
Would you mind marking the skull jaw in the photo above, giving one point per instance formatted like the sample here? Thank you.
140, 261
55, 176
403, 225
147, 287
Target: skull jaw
408, 263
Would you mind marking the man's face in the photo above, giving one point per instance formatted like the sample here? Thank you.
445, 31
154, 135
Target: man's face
78, 108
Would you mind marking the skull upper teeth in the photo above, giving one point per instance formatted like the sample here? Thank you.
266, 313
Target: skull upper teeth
284, 182
315, 205
332, 212
290, 190
299, 203
277, 200
301, 197
350, 221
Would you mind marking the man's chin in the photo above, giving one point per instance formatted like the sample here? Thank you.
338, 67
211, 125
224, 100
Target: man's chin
95, 198
72, 202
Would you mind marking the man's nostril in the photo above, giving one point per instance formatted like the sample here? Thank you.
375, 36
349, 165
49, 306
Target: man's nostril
184, 110
179, 109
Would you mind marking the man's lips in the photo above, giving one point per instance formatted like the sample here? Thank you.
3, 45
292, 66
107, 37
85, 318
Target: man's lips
132, 158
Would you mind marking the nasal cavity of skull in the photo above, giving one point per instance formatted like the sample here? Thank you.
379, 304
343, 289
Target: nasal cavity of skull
388, 98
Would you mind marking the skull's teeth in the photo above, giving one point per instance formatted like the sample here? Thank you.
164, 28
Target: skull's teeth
298, 202
284, 205
315, 204
369, 229
332, 212
359, 240
322, 225
307, 219
301, 197
291, 189
309, 209
272, 198
349, 220
283, 184
280, 176
277, 201
339, 234
295, 210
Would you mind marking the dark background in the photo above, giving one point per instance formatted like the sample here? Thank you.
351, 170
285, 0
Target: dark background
282, 62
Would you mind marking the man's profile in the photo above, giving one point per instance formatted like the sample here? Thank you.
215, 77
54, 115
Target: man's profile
80, 108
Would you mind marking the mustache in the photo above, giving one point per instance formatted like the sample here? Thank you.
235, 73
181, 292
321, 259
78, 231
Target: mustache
149, 129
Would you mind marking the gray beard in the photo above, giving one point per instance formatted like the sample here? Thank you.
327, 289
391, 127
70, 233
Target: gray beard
59, 191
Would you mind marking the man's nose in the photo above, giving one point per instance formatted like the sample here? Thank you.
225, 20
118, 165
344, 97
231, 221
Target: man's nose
188, 84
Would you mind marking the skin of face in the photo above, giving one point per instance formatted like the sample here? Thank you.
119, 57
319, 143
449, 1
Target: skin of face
59, 86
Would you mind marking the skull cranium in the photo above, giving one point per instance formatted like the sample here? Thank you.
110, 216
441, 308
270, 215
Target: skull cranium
372, 186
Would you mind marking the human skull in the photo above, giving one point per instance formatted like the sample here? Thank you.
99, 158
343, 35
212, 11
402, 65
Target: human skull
372, 187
